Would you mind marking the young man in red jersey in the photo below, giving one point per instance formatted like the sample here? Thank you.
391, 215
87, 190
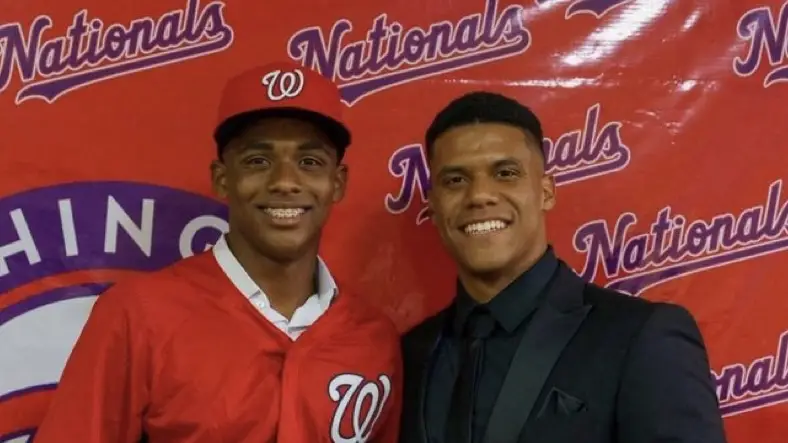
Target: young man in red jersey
250, 342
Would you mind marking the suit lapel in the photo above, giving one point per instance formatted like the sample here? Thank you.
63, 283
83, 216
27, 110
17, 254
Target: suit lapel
552, 327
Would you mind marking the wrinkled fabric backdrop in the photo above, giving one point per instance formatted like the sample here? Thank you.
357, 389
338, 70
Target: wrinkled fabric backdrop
664, 123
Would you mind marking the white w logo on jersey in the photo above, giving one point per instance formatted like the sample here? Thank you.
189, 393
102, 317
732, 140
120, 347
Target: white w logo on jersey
360, 392
282, 85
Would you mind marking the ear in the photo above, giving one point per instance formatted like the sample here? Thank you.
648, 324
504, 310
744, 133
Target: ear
548, 192
340, 182
219, 178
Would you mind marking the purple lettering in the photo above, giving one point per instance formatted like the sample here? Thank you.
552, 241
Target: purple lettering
673, 247
765, 381
52, 61
90, 53
409, 164
765, 36
391, 55
593, 240
591, 152
597, 8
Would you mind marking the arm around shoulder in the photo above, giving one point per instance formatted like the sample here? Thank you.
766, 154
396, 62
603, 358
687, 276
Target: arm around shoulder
103, 389
666, 391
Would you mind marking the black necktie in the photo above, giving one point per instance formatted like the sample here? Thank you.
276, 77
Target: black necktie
459, 426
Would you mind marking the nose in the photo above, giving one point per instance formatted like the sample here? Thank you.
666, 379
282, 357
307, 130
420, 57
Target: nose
284, 179
481, 193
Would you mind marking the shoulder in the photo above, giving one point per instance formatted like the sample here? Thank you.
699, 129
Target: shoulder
139, 290
610, 299
646, 319
132, 306
368, 317
618, 307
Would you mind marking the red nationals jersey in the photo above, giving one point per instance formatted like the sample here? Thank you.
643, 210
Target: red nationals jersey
183, 356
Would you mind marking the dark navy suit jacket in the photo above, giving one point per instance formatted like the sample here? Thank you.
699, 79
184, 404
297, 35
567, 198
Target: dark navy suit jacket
594, 366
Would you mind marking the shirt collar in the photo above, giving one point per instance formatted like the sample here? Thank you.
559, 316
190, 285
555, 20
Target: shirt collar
326, 285
516, 302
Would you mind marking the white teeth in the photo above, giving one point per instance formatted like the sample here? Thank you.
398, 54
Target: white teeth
485, 227
284, 212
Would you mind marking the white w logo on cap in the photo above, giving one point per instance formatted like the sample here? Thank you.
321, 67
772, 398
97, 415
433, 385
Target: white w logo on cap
282, 85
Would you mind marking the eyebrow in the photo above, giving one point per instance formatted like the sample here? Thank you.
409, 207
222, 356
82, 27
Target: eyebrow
456, 169
264, 145
452, 169
508, 161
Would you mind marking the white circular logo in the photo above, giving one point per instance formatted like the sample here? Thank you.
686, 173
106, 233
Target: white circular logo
282, 85
61, 246
358, 392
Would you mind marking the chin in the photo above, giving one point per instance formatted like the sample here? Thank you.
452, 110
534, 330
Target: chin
483, 265
282, 254
283, 247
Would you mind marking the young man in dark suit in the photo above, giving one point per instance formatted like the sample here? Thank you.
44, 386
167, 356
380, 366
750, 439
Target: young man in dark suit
528, 352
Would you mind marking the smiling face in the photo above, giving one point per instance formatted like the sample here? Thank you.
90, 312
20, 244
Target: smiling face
280, 178
489, 196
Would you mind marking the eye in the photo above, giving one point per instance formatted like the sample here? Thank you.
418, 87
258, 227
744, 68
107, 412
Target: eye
256, 160
453, 180
311, 162
508, 173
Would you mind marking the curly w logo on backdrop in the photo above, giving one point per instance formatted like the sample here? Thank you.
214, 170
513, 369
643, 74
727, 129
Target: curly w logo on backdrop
664, 134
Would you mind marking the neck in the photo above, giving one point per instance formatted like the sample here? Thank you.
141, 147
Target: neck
484, 286
287, 284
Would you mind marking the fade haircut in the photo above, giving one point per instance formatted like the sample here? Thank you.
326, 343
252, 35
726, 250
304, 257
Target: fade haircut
484, 107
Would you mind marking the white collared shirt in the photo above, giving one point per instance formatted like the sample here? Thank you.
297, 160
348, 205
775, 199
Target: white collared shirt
303, 317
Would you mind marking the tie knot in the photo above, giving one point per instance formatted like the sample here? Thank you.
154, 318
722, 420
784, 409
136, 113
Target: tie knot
480, 324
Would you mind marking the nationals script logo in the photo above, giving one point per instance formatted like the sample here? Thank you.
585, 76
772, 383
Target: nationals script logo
575, 156
59, 248
675, 247
281, 85
764, 382
91, 52
352, 392
392, 54
766, 37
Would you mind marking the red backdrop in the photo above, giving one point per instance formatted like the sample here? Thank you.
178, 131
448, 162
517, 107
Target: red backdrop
664, 121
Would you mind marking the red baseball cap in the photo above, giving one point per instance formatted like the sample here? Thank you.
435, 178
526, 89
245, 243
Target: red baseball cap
283, 89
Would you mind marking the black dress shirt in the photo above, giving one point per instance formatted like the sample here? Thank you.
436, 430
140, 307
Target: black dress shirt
510, 310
